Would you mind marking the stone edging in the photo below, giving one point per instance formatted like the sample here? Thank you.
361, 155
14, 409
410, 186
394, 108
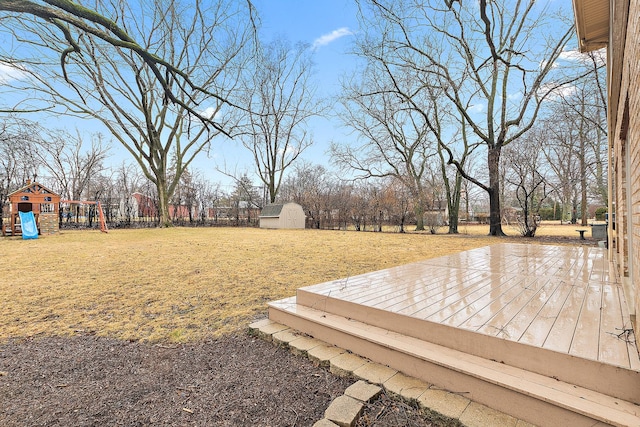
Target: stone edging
345, 409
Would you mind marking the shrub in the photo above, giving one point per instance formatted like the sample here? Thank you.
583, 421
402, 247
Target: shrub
600, 213
433, 221
547, 214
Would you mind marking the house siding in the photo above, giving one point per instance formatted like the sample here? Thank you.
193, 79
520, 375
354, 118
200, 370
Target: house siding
633, 141
625, 165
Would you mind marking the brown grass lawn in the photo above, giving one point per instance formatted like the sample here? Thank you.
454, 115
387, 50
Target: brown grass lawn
187, 284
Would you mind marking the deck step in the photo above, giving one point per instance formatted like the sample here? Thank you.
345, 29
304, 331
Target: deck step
536, 398
621, 382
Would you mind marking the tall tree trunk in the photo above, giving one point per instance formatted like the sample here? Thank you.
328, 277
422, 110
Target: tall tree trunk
163, 203
419, 211
583, 201
583, 182
600, 176
272, 189
495, 217
2, 197
453, 198
454, 205
583, 172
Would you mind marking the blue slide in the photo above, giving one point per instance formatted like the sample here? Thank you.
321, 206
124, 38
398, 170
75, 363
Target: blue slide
29, 227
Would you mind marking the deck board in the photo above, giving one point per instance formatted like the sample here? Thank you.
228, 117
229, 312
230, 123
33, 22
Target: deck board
511, 303
586, 337
612, 347
559, 298
436, 288
516, 317
414, 286
480, 311
537, 332
466, 298
447, 295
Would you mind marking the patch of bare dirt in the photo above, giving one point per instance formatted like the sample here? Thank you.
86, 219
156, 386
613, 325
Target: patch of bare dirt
236, 380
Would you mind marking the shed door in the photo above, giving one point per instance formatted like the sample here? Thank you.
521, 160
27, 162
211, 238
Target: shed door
291, 219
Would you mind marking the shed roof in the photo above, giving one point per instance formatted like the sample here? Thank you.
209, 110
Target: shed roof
272, 210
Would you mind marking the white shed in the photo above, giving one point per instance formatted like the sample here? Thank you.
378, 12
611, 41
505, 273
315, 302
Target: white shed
287, 215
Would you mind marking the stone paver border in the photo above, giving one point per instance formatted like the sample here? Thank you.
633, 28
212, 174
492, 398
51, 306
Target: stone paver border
372, 378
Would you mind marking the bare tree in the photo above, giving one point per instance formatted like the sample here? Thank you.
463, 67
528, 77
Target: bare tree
398, 199
564, 164
598, 117
72, 168
128, 180
577, 142
525, 174
105, 23
184, 199
70, 162
497, 56
393, 139
309, 185
18, 138
359, 206
339, 202
583, 109
280, 98
118, 86
245, 200
207, 197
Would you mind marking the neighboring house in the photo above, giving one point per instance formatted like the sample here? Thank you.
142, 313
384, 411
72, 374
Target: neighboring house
286, 215
182, 212
143, 206
615, 24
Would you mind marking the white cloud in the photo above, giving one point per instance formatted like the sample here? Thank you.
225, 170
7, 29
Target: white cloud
334, 35
10, 73
290, 151
562, 91
210, 112
476, 108
516, 96
571, 55
574, 55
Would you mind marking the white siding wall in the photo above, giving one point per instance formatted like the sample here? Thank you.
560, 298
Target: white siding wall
291, 216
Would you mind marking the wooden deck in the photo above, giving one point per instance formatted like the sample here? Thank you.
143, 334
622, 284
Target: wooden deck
557, 312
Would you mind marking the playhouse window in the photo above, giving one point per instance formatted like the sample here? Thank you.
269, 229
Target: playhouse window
47, 199
24, 198
46, 207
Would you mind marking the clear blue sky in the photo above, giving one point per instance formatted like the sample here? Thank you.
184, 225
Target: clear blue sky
328, 26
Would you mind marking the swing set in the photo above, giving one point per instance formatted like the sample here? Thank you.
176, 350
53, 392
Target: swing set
81, 203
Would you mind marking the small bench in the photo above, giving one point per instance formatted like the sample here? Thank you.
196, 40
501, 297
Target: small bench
581, 234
